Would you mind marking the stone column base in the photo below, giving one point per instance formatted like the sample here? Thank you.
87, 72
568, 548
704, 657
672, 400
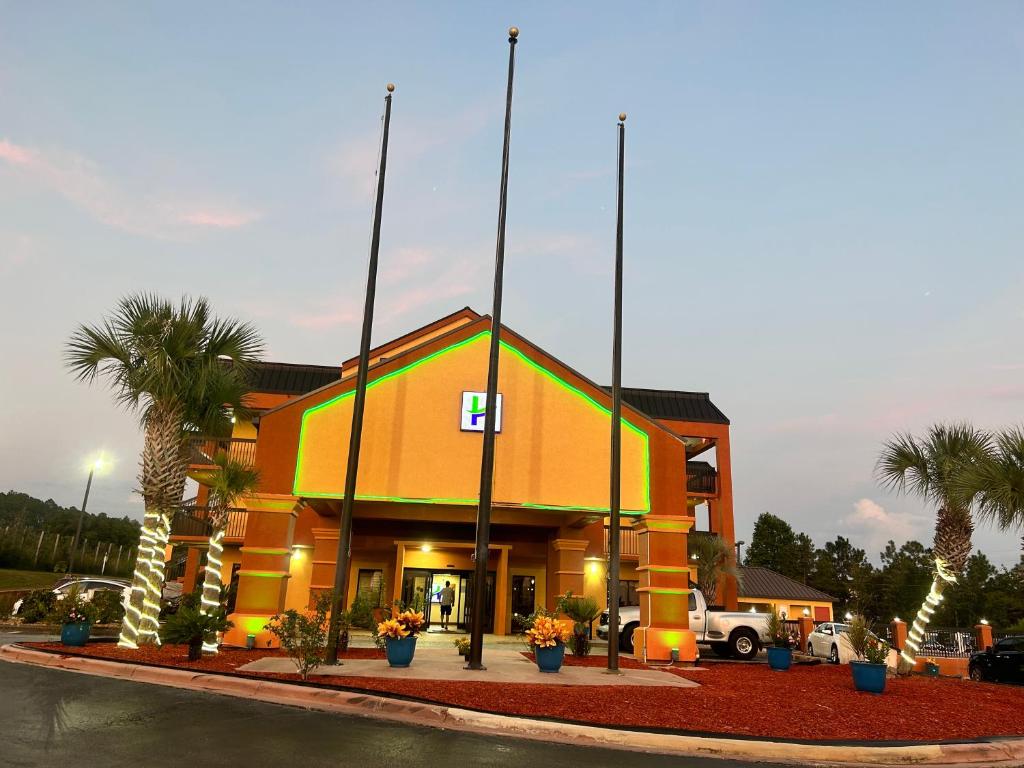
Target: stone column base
656, 644
250, 624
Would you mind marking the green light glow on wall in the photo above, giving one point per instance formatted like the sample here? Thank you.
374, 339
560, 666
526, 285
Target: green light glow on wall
472, 501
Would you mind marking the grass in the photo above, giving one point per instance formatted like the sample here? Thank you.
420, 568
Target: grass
12, 579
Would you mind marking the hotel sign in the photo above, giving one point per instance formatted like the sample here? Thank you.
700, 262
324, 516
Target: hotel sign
474, 409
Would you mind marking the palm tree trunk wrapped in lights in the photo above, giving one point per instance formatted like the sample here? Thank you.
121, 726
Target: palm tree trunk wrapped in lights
228, 483
184, 371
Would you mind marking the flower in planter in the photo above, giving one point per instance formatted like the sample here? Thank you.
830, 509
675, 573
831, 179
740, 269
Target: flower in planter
462, 644
392, 629
547, 632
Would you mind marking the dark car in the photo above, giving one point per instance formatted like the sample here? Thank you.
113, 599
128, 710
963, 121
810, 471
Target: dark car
1000, 663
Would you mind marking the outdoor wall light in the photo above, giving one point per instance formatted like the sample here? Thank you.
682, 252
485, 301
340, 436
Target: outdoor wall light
984, 621
807, 611
896, 618
593, 567
849, 616
250, 642
425, 548
296, 554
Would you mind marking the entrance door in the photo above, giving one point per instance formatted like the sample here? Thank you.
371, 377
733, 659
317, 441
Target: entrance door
466, 588
416, 587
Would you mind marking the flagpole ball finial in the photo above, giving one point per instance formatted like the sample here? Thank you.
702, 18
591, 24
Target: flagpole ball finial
513, 32
391, 87
622, 117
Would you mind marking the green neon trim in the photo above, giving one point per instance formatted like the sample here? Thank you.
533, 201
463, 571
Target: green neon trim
265, 574
646, 454
262, 505
665, 569
660, 526
264, 550
663, 591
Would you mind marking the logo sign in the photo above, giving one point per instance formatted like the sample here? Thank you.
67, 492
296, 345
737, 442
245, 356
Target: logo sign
474, 408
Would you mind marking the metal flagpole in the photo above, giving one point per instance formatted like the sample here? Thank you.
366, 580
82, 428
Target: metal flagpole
345, 534
81, 515
616, 449
483, 516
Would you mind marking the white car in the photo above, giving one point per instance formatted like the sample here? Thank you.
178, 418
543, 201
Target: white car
89, 586
830, 641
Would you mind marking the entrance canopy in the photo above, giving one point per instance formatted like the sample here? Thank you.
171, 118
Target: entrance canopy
421, 442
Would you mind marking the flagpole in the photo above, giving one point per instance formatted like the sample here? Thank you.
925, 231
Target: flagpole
483, 516
339, 597
616, 447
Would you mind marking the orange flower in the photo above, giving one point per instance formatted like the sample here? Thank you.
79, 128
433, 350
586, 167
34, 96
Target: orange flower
547, 633
392, 628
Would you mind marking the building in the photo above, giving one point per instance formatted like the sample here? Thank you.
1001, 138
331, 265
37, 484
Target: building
761, 589
415, 510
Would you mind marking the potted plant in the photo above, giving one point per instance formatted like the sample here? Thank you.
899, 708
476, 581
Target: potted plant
399, 635
547, 637
780, 652
462, 644
75, 616
870, 666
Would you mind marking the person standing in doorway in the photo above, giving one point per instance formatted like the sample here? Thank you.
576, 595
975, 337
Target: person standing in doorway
447, 601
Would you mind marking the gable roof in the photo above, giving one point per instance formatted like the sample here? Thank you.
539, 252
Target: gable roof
466, 313
674, 404
766, 583
290, 378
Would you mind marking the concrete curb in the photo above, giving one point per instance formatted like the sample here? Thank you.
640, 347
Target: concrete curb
998, 753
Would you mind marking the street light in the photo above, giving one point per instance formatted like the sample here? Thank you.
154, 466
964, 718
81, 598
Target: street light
93, 467
739, 558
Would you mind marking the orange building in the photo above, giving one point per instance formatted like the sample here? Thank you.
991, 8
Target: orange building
415, 510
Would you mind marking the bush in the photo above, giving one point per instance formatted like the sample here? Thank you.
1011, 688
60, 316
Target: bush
360, 614
73, 609
303, 636
37, 606
190, 627
582, 611
109, 609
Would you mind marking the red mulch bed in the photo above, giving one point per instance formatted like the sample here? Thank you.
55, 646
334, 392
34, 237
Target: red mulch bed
807, 702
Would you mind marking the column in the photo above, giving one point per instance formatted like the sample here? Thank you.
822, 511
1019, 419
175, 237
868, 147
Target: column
898, 631
192, 559
565, 568
983, 636
664, 590
324, 561
806, 624
266, 561
502, 590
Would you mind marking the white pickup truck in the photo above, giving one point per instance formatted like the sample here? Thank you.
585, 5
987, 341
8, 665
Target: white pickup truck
740, 635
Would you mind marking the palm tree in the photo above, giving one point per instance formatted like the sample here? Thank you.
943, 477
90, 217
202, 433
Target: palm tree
938, 467
228, 483
714, 558
170, 365
1000, 481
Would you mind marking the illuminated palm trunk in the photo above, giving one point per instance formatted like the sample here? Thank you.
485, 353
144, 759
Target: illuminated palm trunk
915, 637
210, 600
133, 616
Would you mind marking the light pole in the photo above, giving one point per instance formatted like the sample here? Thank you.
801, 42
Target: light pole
97, 464
739, 558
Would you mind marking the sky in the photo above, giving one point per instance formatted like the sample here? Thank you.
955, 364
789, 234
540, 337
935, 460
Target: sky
823, 211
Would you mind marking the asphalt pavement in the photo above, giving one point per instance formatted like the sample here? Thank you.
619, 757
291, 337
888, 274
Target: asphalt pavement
52, 717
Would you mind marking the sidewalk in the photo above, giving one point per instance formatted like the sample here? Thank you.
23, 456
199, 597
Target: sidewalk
503, 666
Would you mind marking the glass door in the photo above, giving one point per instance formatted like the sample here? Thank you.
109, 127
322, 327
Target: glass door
466, 587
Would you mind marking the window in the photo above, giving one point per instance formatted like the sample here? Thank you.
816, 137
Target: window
370, 587
692, 602
627, 593
524, 589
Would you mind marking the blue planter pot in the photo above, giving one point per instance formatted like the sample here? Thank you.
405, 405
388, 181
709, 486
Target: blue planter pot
868, 677
74, 634
550, 659
400, 652
779, 659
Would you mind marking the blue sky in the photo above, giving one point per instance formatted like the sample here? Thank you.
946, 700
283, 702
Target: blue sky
823, 210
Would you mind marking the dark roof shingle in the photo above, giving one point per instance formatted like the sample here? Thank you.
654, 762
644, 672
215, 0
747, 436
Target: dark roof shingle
673, 404
291, 379
766, 583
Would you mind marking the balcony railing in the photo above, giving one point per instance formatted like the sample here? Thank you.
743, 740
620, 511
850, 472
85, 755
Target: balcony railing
193, 520
629, 542
701, 478
204, 449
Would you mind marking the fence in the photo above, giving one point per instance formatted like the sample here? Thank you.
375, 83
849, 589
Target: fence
944, 643
27, 548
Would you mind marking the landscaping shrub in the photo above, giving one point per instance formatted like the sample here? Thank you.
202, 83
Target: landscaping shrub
582, 611
73, 609
192, 628
303, 636
109, 609
37, 606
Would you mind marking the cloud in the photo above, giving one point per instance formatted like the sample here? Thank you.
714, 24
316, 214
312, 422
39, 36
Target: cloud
326, 318
12, 153
877, 524
87, 186
220, 219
